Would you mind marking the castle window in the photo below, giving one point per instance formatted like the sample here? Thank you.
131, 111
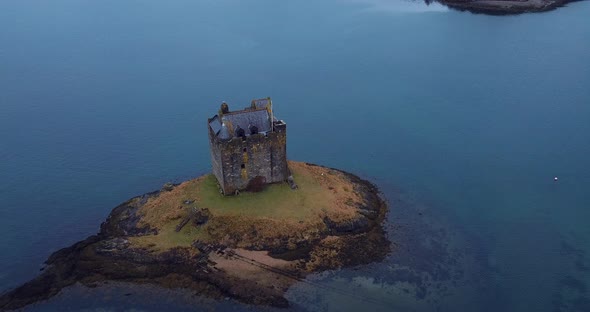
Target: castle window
243, 166
253, 129
240, 132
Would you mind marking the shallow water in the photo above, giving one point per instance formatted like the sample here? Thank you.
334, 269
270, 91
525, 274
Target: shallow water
462, 120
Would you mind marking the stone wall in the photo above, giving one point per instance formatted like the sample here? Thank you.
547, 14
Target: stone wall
235, 162
215, 151
278, 141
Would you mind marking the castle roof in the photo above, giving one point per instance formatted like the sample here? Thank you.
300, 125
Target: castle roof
259, 118
224, 133
215, 124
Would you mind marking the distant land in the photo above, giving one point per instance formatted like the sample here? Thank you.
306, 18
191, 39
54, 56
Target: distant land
504, 7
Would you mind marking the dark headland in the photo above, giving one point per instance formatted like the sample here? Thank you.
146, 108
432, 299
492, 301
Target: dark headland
504, 7
250, 247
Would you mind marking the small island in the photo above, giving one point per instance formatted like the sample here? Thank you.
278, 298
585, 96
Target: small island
504, 7
231, 233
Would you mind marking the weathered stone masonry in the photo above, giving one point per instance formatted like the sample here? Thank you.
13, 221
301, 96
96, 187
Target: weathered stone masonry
239, 155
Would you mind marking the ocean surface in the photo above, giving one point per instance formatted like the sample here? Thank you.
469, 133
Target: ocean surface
462, 120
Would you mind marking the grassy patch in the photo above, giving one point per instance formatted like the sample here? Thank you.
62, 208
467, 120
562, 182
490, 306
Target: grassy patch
277, 201
167, 238
277, 210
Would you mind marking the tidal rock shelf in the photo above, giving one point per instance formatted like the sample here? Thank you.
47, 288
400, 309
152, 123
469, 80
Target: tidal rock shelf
251, 247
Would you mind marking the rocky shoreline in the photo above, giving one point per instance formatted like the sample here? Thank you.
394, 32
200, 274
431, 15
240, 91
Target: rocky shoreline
257, 270
505, 7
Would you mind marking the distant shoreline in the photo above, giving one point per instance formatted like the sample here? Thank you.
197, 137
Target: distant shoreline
505, 7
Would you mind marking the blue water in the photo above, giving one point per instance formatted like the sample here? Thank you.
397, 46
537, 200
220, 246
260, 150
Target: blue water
463, 118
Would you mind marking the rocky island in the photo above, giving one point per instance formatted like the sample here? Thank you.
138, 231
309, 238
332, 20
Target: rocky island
504, 7
250, 247
248, 231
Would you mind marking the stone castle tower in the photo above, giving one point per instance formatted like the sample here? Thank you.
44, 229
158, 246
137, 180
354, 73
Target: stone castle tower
248, 146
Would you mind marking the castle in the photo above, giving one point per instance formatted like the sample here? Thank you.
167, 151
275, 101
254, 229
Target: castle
248, 147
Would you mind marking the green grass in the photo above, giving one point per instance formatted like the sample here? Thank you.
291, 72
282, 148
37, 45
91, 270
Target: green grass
277, 201
167, 238
300, 207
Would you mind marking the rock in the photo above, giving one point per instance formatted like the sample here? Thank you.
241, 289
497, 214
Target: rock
506, 7
200, 216
292, 183
111, 255
112, 244
123, 220
357, 225
168, 187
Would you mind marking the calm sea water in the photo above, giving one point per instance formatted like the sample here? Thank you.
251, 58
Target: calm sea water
462, 120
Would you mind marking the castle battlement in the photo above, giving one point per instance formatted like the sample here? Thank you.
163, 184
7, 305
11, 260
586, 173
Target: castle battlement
247, 145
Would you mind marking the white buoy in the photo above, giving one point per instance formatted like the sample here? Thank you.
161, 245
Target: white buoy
555, 179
